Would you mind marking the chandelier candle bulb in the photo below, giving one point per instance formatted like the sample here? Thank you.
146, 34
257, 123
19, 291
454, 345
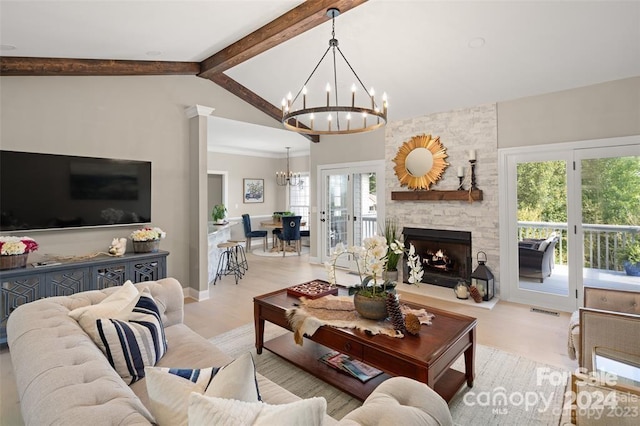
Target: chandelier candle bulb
384, 103
329, 121
311, 117
304, 99
328, 91
289, 98
348, 121
373, 102
353, 95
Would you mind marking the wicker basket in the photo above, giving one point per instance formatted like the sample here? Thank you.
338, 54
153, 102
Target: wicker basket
146, 246
13, 261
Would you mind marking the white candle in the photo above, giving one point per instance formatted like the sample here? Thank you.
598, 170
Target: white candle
462, 292
472, 154
328, 91
353, 95
384, 103
460, 171
304, 97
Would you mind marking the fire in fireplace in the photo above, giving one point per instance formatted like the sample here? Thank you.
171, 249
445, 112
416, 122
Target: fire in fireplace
445, 255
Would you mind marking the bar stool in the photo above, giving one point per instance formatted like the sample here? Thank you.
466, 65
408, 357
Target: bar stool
241, 255
228, 262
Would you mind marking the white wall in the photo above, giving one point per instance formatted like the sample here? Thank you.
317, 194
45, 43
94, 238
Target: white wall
601, 111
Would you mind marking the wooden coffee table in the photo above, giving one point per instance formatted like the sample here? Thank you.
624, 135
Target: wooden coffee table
426, 357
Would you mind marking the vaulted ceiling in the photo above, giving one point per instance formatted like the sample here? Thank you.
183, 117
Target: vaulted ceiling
429, 56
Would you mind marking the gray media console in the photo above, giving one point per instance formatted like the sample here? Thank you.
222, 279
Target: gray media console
25, 285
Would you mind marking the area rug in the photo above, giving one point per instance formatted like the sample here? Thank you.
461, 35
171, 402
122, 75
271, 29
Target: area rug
508, 389
260, 252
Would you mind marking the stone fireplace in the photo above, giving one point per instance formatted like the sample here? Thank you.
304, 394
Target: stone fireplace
445, 255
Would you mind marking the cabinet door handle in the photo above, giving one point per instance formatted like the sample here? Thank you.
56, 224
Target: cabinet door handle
347, 346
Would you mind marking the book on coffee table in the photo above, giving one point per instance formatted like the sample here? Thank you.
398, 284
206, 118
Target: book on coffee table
345, 363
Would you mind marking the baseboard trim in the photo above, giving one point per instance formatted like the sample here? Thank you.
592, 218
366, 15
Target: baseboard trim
194, 294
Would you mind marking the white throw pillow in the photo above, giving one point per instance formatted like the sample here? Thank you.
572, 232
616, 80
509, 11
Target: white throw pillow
169, 388
204, 410
130, 343
111, 305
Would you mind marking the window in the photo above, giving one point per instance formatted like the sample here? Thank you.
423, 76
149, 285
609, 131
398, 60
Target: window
299, 199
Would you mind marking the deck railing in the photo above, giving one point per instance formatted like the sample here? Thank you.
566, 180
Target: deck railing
602, 243
369, 226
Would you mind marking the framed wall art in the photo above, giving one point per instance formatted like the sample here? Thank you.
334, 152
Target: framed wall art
253, 190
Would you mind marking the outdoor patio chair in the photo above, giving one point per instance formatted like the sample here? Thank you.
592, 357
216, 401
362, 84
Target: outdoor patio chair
536, 258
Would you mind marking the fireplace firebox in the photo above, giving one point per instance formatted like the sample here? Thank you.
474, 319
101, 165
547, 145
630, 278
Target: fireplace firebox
445, 255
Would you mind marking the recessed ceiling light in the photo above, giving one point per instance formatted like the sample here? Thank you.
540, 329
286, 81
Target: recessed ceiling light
476, 43
7, 47
154, 53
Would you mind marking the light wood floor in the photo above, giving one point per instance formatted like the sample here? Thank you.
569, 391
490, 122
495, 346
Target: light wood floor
509, 326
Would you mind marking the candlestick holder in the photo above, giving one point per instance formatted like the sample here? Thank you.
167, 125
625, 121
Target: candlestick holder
473, 174
461, 185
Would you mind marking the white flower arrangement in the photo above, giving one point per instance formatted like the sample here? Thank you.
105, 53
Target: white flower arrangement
371, 261
11, 246
148, 234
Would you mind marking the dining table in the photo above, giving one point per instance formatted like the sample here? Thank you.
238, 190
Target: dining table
273, 225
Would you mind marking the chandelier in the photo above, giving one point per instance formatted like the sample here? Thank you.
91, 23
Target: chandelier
333, 118
288, 177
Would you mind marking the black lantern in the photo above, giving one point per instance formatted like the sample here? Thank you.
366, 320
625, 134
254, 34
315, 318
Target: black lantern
482, 278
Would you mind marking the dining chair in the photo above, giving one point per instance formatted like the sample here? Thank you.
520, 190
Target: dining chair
290, 232
249, 234
276, 231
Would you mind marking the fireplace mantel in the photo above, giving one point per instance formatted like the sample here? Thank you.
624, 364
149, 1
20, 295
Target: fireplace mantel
433, 195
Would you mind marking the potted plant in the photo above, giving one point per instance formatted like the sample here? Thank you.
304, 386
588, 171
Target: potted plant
219, 212
630, 257
371, 260
15, 250
393, 254
147, 239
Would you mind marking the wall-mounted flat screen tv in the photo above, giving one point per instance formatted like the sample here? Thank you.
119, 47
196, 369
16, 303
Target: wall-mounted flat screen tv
47, 191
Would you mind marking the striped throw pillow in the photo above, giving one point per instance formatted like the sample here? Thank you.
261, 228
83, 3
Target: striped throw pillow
134, 343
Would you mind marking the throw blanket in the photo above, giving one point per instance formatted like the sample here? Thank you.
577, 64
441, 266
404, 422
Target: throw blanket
338, 311
574, 323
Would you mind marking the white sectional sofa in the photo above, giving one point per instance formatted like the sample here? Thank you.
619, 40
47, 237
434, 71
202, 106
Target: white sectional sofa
63, 378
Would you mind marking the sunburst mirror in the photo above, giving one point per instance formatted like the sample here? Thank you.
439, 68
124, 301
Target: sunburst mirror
420, 162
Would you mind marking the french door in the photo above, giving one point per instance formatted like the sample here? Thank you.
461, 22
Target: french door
350, 203
562, 223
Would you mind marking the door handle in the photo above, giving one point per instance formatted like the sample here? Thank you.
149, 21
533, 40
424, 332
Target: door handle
322, 220
355, 218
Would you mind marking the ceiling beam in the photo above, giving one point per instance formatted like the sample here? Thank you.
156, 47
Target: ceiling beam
251, 98
21, 66
307, 15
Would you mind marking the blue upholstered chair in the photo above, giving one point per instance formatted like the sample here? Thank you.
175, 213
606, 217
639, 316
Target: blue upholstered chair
276, 231
249, 234
290, 232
